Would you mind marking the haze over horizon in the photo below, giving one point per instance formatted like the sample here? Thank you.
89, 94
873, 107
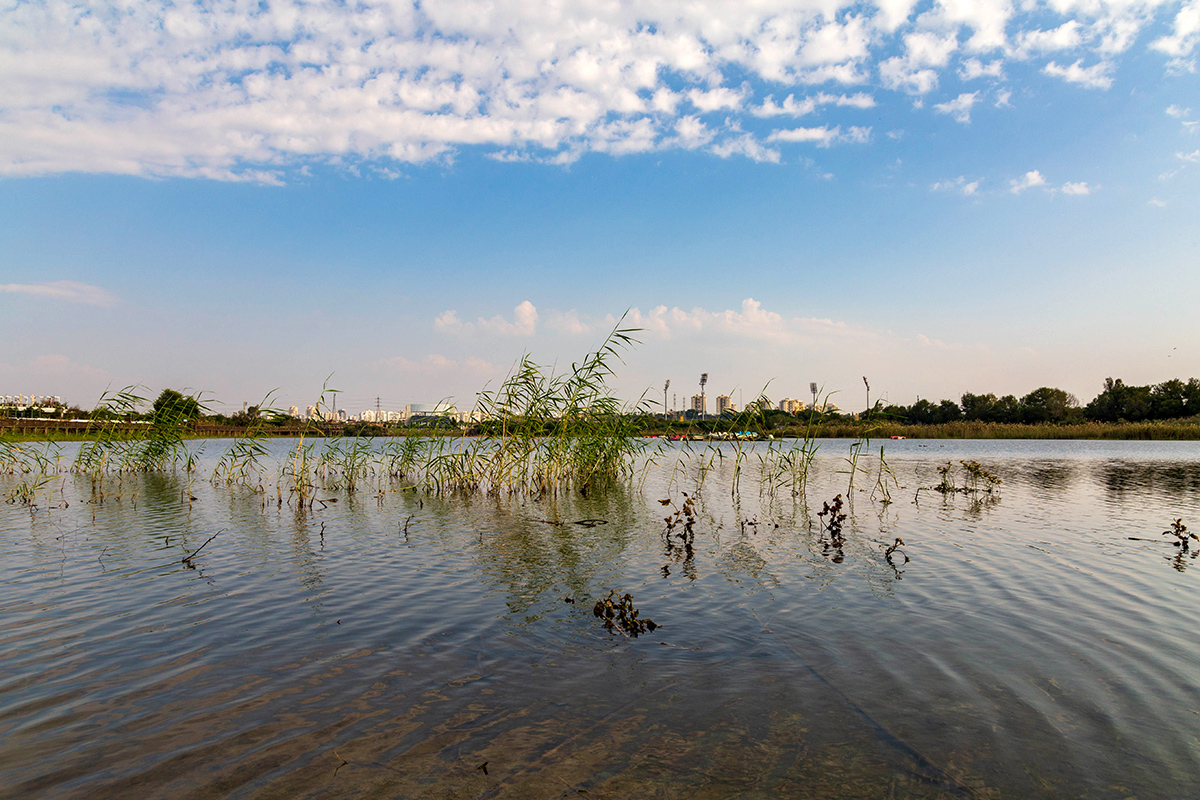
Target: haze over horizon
946, 197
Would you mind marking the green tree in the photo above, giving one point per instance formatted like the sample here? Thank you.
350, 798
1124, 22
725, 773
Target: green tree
979, 407
1047, 405
1120, 402
173, 406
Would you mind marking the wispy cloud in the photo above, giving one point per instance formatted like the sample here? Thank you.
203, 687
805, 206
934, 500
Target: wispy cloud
823, 136
66, 291
959, 107
959, 184
1096, 76
523, 323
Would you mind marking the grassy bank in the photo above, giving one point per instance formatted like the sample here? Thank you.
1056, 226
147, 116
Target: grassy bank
1163, 430
1186, 429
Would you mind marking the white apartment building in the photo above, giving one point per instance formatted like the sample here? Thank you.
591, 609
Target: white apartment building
791, 405
725, 404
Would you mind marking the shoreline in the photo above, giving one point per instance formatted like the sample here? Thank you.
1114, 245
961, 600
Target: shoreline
1176, 430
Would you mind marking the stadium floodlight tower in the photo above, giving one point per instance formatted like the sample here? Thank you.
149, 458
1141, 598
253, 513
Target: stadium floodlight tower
666, 386
812, 387
703, 405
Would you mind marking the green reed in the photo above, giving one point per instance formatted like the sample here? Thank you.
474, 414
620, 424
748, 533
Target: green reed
244, 462
542, 431
789, 468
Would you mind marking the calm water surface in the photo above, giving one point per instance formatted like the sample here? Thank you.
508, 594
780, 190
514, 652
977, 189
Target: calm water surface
396, 644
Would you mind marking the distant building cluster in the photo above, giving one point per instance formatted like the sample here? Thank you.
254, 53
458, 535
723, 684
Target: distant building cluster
790, 405
33, 402
411, 412
725, 405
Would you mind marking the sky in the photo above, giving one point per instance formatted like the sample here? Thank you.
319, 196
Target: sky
398, 200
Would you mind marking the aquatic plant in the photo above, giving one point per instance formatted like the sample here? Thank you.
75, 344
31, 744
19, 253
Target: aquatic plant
832, 517
619, 615
895, 547
243, 462
36, 466
976, 479
884, 475
789, 468
1181, 533
542, 431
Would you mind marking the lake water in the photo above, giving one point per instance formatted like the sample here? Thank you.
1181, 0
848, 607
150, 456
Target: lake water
398, 644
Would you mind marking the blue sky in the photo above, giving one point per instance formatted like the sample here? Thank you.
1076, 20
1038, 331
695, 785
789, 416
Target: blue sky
945, 197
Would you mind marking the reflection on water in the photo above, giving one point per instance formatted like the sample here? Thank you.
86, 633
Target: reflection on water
1039, 643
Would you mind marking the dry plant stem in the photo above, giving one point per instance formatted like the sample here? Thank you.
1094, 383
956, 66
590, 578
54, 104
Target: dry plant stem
188, 559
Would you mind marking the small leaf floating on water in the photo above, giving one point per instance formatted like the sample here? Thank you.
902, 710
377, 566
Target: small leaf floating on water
568, 599
483, 767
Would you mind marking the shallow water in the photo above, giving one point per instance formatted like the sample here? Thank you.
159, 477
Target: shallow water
405, 645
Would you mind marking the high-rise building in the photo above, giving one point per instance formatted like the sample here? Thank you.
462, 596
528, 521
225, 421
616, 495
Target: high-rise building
790, 405
725, 404
698, 404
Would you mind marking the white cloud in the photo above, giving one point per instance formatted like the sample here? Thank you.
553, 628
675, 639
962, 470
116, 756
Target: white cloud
973, 68
1028, 181
959, 107
1079, 188
715, 99
1154, 201
959, 184
1003, 97
524, 323
567, 322
1065, 37
1093, 77
1185, 36
239, 91
1184, 116
67, 291
745, 145
751, 322
807, 105
1192, 157
823, 136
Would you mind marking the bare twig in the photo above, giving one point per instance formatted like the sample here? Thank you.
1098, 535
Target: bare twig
188, 559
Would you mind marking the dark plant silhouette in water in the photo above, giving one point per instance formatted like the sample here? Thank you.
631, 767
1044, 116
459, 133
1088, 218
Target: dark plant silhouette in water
619, 616
976, 480
679, 542
1181, 533
895, 548
889, 555
1183, 540
833, 527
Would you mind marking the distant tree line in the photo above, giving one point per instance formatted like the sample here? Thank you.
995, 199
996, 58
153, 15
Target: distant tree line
1118, 402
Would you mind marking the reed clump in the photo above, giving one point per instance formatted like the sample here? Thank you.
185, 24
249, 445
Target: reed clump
541, 432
